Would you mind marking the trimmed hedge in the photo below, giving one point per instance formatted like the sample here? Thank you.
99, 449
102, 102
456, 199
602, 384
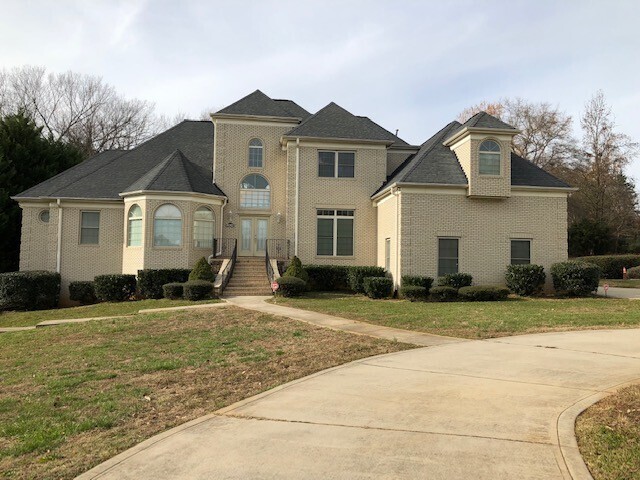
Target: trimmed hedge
611, 265
413, 292
418, 281
150, 281
633, 272
575, 278
36, 290
173, 290
197, 290
202, 271
290, 286
455, 280
328, 278
356, 276
82, 292
443, 294
483, 293
114, 288
378, 287
525, 280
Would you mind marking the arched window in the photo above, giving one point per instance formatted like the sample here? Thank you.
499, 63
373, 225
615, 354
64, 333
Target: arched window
255, 153
255, 192
203, 228
167, 226
489, 161
134, 226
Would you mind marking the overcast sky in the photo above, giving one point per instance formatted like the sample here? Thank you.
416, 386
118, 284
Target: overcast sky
411, 65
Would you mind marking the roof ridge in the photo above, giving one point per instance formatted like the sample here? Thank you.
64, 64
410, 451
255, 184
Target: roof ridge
165, 164
88, 173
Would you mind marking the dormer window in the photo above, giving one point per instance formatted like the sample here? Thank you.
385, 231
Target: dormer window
489, 158
255, 153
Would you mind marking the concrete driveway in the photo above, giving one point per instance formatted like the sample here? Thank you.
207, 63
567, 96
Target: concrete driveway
497, 409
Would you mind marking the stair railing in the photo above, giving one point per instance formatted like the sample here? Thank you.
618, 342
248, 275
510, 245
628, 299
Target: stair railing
228, 270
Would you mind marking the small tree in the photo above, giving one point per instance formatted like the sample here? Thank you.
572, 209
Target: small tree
202, 271
296, 270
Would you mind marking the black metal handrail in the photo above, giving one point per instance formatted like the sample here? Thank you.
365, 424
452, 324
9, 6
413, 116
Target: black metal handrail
267, 259
228, 270
224, 247
279, 248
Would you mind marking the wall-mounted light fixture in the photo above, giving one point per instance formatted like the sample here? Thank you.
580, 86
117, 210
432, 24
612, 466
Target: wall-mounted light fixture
279, 217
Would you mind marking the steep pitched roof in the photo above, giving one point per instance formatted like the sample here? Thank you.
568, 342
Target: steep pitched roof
525, 173
333, 121
259, 104
484, 120
106, 175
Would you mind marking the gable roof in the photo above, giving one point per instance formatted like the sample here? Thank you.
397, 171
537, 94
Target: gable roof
260, 105
333, 121
106, 175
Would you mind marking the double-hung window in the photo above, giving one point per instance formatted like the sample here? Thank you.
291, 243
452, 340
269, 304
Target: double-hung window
489, 158
89, 228
520, 252
335, 233
447, 256
336, 164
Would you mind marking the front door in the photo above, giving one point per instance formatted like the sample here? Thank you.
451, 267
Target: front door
253, 236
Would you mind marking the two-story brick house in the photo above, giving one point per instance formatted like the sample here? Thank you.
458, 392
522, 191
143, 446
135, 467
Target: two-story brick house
338, 188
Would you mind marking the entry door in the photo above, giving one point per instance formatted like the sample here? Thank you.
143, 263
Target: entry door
253, 236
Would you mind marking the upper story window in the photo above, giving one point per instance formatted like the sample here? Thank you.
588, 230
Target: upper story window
489, 158
167, 226
89, 228
256, 150
336, 164
134, 226
203, 228
255, 192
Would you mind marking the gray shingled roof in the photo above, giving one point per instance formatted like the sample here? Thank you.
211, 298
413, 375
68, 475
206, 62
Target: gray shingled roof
524, 173
333, 121
108, 174
259, 104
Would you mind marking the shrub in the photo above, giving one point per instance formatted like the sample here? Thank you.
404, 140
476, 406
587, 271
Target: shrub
290, 286
173, 290
202, 271
114, 288
575, 278
633, 272
443, 294
82, 292
295, 270
378, 287
197, 290
483, 293
327, 278
413, 292
455, 280
418, 281
611, 265
525, 279
36, 290
356, 276
150, 281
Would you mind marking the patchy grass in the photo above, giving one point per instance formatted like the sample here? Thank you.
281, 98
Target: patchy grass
477, 319
609, 436
107, 309
76, 395
632, 283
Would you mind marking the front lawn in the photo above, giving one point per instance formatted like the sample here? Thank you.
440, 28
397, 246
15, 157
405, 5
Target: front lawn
477, 319
76, 395
609, 436
632, 283
106, 309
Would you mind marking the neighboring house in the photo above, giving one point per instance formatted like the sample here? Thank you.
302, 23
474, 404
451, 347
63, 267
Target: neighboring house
336, 187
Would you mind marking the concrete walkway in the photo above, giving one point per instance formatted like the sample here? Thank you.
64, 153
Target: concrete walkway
496, 409
617, 292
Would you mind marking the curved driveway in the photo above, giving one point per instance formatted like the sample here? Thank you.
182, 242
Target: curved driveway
495, 409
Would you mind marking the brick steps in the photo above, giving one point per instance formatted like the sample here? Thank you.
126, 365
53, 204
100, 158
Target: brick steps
249, 278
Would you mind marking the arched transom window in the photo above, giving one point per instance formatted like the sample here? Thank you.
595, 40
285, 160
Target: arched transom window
167, 226
255, 153
255, 192
134, 226
203, 228
489, 161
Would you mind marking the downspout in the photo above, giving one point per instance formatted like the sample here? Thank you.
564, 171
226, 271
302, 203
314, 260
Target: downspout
226, 200
59, 246
213, 173
397, 195
295, 247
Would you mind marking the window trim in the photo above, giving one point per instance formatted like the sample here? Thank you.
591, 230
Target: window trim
336, 163
155, 211
82, 212
511, 257
334, 218
212, 221
457, 258
129, 220
261, 147
498, 154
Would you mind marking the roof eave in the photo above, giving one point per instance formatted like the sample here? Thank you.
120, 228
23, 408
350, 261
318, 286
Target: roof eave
56, 197
285, 138
234, 116
168, 192
417, 184
467, 130
541, 188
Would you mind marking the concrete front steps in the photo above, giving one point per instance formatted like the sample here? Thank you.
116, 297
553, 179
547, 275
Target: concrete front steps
249, 278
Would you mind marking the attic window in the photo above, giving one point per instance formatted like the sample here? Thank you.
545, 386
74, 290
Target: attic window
255, 153
489, 158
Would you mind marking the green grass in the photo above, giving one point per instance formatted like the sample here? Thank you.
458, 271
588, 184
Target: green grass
76, 395
107, 309
477, 319
632, 283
